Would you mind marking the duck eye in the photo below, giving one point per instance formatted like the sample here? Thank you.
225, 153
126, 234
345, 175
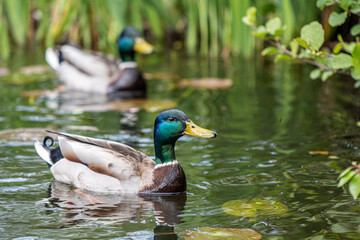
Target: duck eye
171, 119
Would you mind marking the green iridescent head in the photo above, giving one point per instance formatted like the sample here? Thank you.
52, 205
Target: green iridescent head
169, 126
129, 42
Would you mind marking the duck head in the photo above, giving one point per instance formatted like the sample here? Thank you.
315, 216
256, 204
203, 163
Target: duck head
129, 42
169, 126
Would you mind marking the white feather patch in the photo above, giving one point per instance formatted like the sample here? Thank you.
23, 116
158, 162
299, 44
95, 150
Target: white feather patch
166, 164
43, 152
52, 58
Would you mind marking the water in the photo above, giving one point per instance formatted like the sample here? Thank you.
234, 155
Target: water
267, 123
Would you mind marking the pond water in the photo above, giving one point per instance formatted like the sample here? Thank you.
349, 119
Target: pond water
267, 122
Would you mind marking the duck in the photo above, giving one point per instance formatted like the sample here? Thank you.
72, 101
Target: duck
105, 166
94, 72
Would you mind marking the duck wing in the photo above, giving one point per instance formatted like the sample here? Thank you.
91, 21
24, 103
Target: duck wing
131, 167
89, 62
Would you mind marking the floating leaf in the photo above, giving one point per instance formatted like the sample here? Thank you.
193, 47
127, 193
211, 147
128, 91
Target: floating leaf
223, 233
254, 207
207, 233
318, 152
354, 186
342, 60
269, 51
24, 134
273, 26
313, 34
161, 75
337, 19
206, 83
355, 30
36, 69
314, 74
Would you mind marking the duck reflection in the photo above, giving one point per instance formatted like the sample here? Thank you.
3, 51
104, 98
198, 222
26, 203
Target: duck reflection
81, 205
82, 101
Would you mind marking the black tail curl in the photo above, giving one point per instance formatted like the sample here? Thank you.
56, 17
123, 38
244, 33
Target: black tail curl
55, 153
45, 145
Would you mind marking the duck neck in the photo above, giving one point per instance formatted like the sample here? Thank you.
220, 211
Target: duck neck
128, 56
164, 152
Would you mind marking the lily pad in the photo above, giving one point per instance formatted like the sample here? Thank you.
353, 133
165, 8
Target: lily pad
24, 134
131, 105
208, 233
161, 76
254, 207
206, 83
35, 69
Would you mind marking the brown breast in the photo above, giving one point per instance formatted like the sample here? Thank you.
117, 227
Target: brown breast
169, 178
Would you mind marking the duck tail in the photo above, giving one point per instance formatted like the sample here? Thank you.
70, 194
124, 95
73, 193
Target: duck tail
53, 58
49, 155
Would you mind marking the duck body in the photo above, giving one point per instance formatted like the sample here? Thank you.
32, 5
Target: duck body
111, 167
91, 71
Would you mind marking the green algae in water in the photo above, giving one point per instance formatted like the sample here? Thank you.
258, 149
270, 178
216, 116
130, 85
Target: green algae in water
254, 207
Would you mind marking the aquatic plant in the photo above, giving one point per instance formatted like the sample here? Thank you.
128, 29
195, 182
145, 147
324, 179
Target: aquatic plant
211, 27
343, 58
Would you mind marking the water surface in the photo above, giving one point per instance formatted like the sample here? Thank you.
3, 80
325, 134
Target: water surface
267, 122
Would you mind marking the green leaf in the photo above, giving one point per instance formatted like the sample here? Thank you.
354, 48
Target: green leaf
250, 16
302, 42
323, 3
349, 47
344, 4
260, 31
294, 47
355, 30
337, 19
346, 178
269, 51
337, 48
356, 59
354, 186
313, 34
344, 172
357, 83
342, 60
326, 74
281, 57
273, 26
314, 74
355, 9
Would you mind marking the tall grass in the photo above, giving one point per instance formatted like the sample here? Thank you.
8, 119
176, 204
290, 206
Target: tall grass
207, 27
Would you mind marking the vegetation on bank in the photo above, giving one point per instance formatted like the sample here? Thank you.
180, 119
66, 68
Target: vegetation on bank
211, 27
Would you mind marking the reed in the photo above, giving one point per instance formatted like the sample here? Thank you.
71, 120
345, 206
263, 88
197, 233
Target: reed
211, 27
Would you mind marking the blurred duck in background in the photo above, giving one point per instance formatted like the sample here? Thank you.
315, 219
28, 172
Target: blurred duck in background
95, 72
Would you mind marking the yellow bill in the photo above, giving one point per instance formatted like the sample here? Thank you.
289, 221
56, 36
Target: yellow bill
194, 130
142, 46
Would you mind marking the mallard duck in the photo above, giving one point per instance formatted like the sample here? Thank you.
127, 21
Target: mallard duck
111, 167
90, 71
